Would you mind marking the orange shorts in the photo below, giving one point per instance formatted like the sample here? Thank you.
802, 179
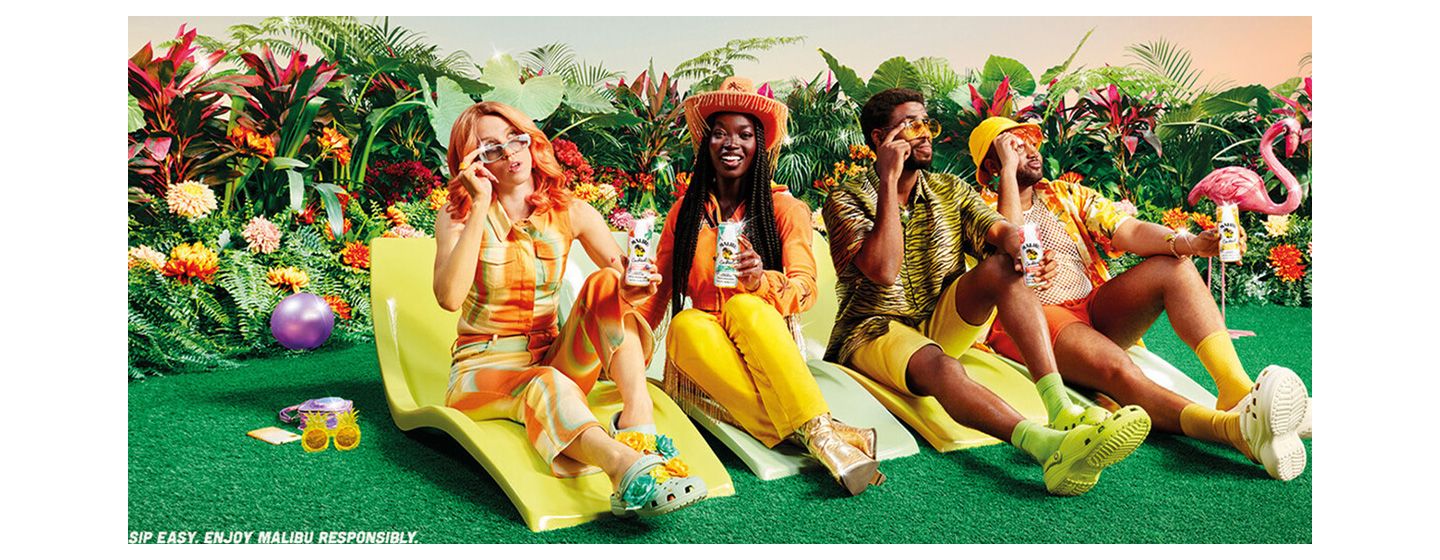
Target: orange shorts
1057, 317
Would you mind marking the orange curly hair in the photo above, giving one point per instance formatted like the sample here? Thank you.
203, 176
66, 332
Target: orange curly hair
548, 176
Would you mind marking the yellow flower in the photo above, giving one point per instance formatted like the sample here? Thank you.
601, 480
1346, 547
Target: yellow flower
677, 468
1277, 226
192, 261
438, 197
661, 475
290, 278
190, 199
643, 443
591, 193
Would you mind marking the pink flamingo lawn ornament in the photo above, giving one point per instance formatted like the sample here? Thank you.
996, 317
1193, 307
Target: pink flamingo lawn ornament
1245, 189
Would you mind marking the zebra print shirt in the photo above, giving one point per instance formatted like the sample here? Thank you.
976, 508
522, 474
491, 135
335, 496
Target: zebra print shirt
948, 221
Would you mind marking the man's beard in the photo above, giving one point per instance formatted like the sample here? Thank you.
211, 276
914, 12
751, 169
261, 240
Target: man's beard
1025, 178
912, 164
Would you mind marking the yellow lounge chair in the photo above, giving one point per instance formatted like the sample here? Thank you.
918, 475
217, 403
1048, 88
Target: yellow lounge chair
923, 414
413, 337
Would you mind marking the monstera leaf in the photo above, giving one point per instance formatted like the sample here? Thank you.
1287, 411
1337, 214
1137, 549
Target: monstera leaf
997, 68
537, 97
450, 100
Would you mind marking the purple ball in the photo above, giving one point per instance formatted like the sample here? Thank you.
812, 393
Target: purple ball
302, 321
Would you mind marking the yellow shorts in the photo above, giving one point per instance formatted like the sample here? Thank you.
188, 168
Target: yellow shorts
886, 358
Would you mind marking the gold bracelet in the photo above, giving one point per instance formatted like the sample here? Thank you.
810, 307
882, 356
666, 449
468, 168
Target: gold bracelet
1171, 240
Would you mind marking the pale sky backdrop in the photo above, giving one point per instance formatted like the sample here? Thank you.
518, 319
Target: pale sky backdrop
1246, 50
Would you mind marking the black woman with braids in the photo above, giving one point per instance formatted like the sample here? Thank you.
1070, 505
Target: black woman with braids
732, 348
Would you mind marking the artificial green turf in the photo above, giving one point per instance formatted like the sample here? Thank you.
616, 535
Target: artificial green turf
193, 469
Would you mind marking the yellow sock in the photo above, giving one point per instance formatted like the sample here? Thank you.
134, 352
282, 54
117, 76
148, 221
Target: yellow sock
1202, 422
1218, 355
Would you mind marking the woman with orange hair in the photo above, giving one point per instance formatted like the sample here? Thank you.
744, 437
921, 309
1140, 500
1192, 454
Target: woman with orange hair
502, 241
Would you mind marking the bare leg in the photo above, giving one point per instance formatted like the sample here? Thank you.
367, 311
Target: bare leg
1126, 306
1092, 360
994, 283
931, 372
595, 447
627, 369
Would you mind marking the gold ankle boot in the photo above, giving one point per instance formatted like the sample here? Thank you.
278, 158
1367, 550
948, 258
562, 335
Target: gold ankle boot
851, 467
859, 438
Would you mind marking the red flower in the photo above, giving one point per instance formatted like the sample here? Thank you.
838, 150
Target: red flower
577, 170
403, 181
1285, 260
682, 184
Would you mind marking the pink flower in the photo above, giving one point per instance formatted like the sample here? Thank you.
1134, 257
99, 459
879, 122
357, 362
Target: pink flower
402, 231
261, 236
144, 256
621, 220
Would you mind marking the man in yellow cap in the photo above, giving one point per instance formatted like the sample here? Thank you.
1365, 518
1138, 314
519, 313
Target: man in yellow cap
899, 236
1092, 318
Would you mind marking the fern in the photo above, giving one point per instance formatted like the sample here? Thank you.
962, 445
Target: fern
1167, 59
713, 66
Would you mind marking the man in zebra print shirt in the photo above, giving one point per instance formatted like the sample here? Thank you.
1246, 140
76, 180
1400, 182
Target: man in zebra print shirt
908, 306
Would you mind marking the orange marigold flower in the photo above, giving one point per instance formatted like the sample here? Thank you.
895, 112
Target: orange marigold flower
1176, 219
338, 306
1203, 220
1285, 260
192, 261
861, 152
289, 278
438, 197
356, 254
396, 216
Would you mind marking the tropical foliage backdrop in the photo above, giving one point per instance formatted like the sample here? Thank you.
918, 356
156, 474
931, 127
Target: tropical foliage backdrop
257, 171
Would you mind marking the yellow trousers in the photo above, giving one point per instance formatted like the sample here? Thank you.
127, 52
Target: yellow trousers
746, 359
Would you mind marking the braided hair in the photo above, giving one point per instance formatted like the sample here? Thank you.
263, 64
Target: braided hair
760, 226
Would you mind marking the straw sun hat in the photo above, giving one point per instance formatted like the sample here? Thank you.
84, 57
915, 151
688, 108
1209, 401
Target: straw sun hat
738, 95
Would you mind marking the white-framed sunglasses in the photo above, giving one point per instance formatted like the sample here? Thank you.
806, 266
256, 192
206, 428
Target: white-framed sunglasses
491, 153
